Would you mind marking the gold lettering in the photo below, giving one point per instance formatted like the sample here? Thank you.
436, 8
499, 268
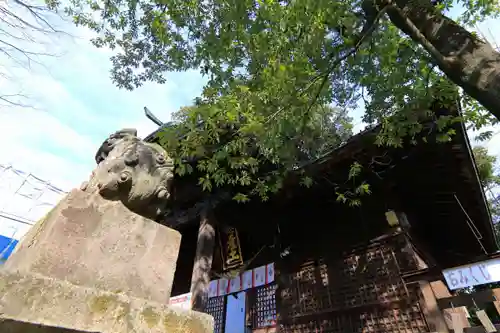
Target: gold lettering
233, 258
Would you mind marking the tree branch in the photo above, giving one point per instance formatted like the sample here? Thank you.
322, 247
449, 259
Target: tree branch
369, 26
24, 26
446, 60
469, 62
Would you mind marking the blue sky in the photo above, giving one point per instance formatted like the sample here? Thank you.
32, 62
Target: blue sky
76, 106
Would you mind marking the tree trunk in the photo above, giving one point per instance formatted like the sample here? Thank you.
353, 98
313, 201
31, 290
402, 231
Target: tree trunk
200, 279
469, 62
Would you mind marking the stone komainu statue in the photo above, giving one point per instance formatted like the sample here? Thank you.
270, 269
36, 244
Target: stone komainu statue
135, 172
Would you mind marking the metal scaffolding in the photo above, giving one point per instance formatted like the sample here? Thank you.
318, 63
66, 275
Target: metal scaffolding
24, 199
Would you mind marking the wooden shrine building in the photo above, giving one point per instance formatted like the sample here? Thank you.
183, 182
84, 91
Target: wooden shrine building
312, 264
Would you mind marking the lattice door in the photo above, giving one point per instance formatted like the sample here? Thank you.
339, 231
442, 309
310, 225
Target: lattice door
216, 307
263, 309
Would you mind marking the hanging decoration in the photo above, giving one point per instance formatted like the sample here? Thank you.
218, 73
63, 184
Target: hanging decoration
256, 277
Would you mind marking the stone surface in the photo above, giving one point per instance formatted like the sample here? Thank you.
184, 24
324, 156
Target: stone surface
14, 326
97, 243
34, 303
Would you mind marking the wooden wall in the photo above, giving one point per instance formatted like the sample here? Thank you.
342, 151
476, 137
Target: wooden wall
360, 292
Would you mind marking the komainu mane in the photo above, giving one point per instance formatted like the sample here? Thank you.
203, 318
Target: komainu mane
133, 171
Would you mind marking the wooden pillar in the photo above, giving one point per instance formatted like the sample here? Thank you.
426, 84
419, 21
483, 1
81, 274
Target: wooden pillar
429, 293
200, 279
496, 303
430, 309
441, 291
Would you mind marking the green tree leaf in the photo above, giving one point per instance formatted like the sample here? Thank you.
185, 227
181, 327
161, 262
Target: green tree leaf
240, 197
283, 78
307, 181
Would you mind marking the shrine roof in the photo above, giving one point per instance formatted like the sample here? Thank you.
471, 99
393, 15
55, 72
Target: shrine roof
437, 184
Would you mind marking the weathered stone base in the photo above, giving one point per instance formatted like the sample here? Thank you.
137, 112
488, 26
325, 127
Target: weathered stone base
97, 243
34, 303
14, 326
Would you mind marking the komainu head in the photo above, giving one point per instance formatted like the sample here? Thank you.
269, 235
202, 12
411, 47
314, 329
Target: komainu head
135, 172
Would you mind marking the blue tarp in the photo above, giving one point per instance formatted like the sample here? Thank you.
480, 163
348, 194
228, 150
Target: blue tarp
7, 245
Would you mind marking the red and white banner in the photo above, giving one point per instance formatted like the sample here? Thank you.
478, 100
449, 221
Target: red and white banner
247, 280
235, 285
270, 273
213, 288
223, 287
256, 277
259, 274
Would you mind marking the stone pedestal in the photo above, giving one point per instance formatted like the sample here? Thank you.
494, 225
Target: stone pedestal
93, 242
91, 265
34, 303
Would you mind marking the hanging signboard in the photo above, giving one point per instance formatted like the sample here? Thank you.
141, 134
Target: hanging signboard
473, 275
230, 248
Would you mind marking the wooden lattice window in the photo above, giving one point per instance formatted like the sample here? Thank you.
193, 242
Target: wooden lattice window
215, 307
361, 292
264, 307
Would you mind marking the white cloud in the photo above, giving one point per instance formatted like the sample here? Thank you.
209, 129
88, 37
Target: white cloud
76, 106
22, 134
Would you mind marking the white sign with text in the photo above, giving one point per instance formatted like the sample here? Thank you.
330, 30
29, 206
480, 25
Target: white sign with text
182, 301
473, 275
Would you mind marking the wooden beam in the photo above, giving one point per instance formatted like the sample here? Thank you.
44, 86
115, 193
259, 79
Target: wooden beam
440, 289
427, 274
429, 299
200, 279
478, 298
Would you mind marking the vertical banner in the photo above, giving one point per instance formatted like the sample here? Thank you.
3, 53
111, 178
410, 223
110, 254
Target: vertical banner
235, 284
247, 278
223, 286
213, 288
270, 273
256, 277
259, 274
230, 248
